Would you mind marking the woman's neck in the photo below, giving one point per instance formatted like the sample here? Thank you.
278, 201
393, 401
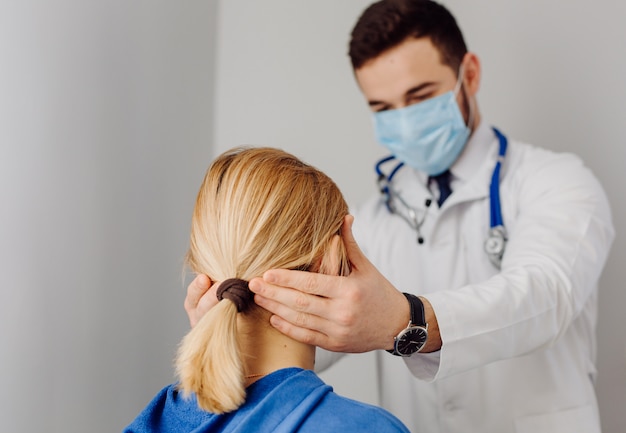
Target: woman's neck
265, 350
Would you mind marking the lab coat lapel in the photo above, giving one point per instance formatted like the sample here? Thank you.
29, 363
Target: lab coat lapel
475, 168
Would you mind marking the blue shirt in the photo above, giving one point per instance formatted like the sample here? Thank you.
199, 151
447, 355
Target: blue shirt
288, 400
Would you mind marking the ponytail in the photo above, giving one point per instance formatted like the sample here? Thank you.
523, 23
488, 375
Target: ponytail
209, 361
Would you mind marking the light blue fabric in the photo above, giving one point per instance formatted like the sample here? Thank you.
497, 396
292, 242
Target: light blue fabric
288, 400
428, 136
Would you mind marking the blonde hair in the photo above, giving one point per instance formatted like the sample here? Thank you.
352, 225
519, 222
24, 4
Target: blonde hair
257, 209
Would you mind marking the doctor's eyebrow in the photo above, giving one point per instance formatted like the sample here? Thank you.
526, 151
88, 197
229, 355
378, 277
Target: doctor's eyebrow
412, 91
429, 87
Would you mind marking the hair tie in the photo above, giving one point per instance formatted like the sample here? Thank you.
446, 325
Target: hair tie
237, 291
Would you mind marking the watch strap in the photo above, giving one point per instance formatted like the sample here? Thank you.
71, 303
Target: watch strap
418, 317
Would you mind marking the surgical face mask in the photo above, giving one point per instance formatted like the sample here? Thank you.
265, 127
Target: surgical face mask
429, 135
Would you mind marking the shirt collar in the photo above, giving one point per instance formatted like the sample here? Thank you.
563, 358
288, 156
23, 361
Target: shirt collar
474, 153
472, 157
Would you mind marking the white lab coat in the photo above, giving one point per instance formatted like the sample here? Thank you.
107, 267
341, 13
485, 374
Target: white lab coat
519, 344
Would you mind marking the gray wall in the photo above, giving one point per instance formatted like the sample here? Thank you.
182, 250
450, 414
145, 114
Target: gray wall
105, 111
107, 126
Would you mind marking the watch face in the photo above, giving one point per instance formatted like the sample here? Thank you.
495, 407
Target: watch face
411, 340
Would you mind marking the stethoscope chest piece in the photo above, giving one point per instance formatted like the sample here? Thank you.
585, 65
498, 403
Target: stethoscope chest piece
495, 245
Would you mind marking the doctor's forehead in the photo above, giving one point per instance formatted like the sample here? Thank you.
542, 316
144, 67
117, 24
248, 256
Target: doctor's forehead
409, 64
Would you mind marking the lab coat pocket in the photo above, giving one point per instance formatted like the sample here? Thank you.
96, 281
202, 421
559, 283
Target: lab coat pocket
583, 419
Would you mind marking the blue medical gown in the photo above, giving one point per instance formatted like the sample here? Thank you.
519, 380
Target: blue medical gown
288, 400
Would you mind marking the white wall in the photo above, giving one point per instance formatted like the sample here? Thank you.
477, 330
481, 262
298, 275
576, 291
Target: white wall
283, 79
105, 127
553, 75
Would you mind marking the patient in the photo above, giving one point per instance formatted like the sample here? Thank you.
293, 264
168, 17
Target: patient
258, 209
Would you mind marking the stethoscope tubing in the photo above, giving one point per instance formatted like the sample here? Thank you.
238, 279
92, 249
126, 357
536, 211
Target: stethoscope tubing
494, 188
496, 219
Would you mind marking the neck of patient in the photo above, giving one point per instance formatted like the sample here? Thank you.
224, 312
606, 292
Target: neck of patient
265, 350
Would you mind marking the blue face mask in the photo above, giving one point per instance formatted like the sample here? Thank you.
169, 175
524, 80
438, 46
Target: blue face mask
428, 136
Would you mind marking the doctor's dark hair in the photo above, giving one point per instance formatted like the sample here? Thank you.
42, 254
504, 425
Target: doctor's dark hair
387, 23
257, 209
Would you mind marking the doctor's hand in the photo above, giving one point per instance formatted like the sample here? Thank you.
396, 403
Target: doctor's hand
201, 297
357, 313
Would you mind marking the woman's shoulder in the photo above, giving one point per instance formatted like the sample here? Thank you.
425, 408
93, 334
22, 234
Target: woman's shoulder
336, 412
169, 411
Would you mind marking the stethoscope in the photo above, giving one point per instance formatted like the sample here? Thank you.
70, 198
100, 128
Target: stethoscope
495, 244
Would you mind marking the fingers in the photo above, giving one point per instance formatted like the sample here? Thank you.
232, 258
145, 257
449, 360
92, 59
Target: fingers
291, 304
195, 290
304, 327
303, 335
346, 228
207, 301
307, 282
304, 317
198, 300
355, 255
319, 332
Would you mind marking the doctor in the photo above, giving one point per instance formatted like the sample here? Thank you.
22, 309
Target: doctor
475, 275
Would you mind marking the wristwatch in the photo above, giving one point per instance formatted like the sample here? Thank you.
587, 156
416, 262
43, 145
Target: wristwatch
412, 338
